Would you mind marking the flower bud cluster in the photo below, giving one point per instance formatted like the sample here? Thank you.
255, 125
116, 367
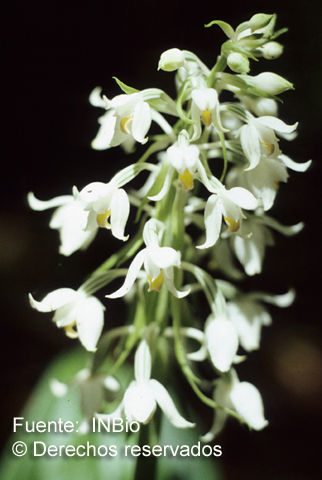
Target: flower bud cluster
200, 135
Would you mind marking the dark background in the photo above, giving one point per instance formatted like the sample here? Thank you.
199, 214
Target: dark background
54, 55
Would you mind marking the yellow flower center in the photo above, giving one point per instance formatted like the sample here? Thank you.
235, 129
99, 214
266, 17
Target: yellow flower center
186, 179
102, 219
269, 146
233, 225
125, 124
157, 283
206, 117
70, 330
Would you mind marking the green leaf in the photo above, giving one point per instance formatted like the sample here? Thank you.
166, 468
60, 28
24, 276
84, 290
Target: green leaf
160, 101
226, 28
44, 406
126, 88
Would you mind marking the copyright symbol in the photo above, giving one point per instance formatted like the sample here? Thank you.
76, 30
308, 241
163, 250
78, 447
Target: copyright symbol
19, 449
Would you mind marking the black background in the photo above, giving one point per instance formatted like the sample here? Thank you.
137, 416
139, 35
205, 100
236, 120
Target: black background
54, 55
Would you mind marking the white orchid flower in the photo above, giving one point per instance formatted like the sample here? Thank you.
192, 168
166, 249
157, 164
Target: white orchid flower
184, 158
250, 245
127, 117
242, 397
205, 108
144, 394
158, 263
260, 105
69, 219
227, 204
81, 315
257, 138
255, 236
263, 180
104, 201
219, 341
248, 316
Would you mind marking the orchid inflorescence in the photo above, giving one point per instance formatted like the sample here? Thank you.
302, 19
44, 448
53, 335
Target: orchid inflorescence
200, 134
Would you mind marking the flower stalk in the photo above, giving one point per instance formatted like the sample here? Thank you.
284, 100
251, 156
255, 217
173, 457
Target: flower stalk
195, 222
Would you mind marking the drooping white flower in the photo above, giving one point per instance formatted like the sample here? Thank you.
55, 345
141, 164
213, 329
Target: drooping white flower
248, 316
225, 204
269, 82
158, 263
263, 180
127, 116
219, 341
70, 220
250, 245
81, 315
144, 394
171, 60
103, 201
222, 342
260, 105
205, 108
257, 138
242, 397
184, 158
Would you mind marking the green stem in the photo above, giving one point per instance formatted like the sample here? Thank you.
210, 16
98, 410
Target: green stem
220, 66
224, 151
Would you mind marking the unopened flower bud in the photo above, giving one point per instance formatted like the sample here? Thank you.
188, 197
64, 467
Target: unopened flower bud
272, 50
171, 60
271, 83
259, 20
238, 63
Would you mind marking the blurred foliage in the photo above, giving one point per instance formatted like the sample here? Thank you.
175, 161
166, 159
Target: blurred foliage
43, 405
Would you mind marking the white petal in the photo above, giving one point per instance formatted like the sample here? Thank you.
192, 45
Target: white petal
248, 318
139, 402
242, 197
141, 121
54, 300
131, 276
96, 99
167, 406
221, 396
120, 209
71, 221
142, 362
111, 384
59, 389
297, 167
217, 426
169, 282
205, 98
213, 220
248, 403
199, 355
277, 124
165, 187
105, 134
222, 342
164, 257
249, 139
41, 205
250, 253
90, 322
